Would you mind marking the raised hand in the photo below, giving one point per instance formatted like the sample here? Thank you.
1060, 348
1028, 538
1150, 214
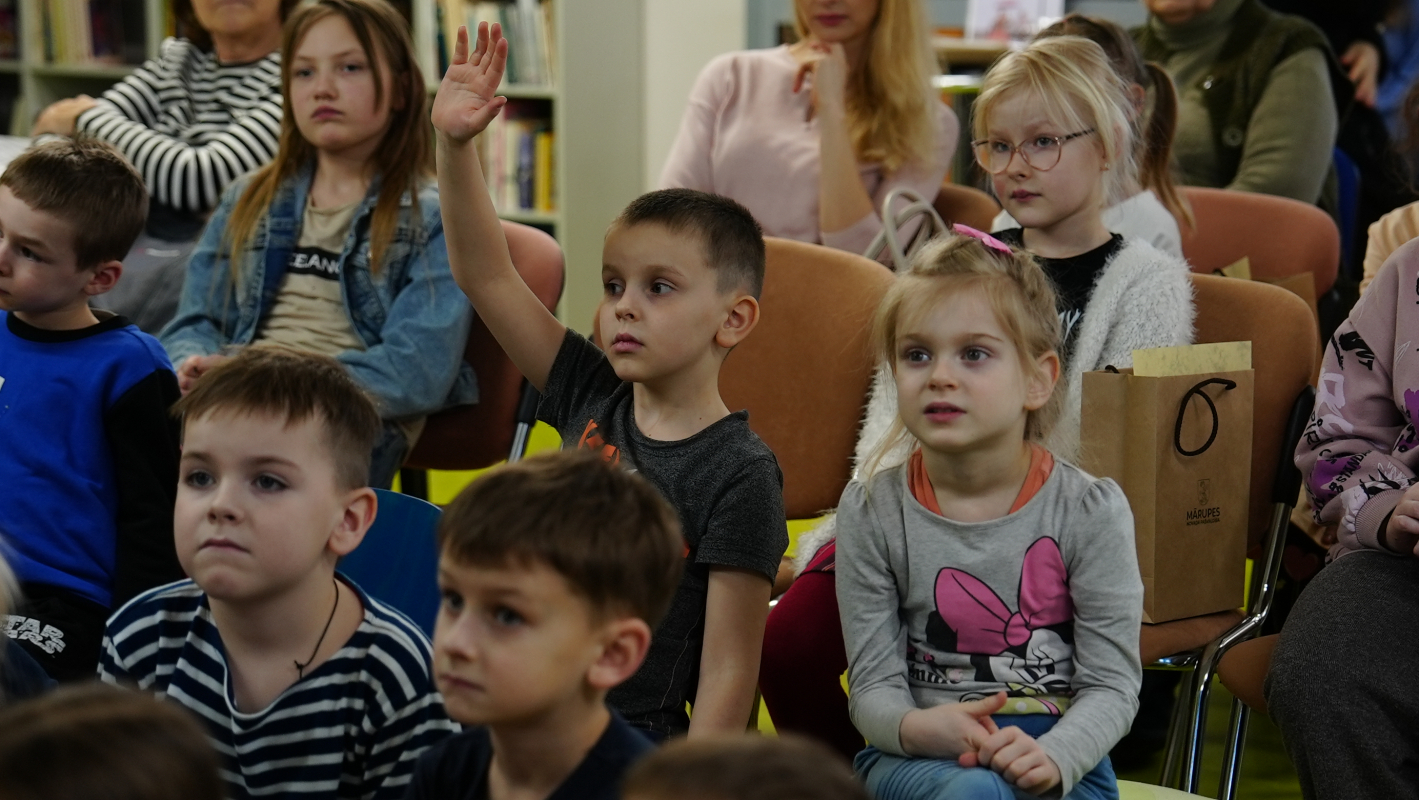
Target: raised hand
466, 101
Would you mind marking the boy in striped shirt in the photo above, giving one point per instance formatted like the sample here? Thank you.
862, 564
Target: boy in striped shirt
309, 688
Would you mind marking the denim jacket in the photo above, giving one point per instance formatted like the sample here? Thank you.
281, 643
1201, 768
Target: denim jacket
412, 317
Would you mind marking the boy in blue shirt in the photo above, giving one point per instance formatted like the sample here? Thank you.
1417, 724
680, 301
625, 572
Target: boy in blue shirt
553, 571
682, 272
88, 452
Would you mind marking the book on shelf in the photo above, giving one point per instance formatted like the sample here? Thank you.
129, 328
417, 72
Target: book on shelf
527, 25
517, 154
9, 31
92, 31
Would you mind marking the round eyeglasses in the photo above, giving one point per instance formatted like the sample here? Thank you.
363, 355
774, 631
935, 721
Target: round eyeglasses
1040, 152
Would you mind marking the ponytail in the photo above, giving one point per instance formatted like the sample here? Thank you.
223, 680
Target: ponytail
1155, 164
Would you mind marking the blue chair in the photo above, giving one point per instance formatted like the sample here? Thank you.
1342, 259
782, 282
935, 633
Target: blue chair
1348, 175
398, 561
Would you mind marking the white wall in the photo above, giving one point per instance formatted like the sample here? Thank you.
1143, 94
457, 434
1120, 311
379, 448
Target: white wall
681, 36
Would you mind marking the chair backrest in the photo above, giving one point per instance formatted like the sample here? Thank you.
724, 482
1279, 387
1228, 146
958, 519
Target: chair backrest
1285, 352
804, 372
398, 561
966, 205
480, 435
1280, 236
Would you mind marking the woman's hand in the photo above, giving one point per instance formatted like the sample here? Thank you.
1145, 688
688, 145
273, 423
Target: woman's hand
61, 116
1018, 758
827, 63
1401, 535
466, 101
1363, 61
193, 368
953, 730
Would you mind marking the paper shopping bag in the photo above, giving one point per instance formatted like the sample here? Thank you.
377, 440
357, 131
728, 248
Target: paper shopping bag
1180, 447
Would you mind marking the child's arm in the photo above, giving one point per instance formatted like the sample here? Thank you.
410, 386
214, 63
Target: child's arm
144, 440
736, 610
477, 249
405, 719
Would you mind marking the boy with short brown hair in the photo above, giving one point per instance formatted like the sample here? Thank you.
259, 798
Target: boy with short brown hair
681, 270
89, 462
553, 571
309, 687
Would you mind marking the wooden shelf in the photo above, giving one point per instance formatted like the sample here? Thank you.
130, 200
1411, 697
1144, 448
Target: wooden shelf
110, 72
10, 67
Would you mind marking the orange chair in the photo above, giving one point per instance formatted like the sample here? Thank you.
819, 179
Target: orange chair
966, 205
1281, 237
1285, 351
496, 427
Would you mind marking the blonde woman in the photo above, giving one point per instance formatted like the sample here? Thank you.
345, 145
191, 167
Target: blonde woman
811, 137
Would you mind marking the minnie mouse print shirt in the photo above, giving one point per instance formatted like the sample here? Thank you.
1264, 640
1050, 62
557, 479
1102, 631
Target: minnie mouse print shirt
1044, 604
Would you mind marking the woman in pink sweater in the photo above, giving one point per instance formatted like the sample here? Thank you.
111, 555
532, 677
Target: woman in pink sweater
1341, 686
812, 137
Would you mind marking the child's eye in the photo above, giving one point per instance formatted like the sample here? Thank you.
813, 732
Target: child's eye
1041, 143
353, 67
198, 479
916, 355
505, 616
975, 354
301, 72
997, 146
661, 287
269, 483
613, 288
451, 600
30, 254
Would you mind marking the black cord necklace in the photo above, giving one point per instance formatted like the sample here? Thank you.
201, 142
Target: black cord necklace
300, 668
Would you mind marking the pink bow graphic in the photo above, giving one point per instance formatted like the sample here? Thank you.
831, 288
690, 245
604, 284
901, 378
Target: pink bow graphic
983, 623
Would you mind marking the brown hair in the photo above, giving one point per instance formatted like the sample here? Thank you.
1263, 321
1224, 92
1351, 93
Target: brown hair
88, 184
89, 741
189, 28
733, 240
405, 155
1156, 142
1019, 292
743, 767
607, 531
297, 386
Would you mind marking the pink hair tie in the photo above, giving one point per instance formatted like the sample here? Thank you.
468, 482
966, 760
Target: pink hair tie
985, 238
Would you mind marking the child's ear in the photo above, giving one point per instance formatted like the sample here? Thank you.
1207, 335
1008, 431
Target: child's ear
741, 318
1041, 384
627, 640
361, 506
105, 277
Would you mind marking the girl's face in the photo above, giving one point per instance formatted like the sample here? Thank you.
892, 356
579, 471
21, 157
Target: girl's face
961, 384
839, 20
1053, 200
332, 91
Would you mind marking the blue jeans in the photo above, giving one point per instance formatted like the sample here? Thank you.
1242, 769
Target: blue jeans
891, 777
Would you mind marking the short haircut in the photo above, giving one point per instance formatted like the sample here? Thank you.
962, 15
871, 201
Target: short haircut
743, 767
88, 184
96, 740
297, 386
607, 531
732, 238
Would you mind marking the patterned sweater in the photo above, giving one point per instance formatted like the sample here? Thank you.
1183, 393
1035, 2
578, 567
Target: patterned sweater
1361, 450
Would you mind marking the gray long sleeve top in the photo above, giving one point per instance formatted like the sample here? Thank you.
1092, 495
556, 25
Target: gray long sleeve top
1044, 603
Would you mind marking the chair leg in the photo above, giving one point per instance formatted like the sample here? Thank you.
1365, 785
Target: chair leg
1197, 725
519, 442
1232, 757
1177, 734
414, 482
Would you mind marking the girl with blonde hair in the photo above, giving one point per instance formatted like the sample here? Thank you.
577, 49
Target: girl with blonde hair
812, 137
337, 246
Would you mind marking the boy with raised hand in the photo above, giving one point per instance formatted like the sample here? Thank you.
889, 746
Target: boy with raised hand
308, 687
88, 452
682, 272
553, 571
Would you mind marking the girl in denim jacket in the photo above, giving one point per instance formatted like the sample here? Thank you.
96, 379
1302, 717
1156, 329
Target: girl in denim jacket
337, 246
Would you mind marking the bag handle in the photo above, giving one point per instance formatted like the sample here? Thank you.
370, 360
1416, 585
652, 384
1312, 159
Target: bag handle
1182, 409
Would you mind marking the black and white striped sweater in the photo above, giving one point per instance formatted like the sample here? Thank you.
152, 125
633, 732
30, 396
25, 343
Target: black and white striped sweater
190, 124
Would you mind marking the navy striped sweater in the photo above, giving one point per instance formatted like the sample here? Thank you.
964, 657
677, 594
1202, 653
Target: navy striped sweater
353, 728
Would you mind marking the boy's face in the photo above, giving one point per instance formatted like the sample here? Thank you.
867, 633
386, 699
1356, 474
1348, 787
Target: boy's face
662, 308
259, 508
512, 643
39, 273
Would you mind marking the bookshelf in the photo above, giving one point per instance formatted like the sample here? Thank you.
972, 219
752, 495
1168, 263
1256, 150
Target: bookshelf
587, 96
67, 47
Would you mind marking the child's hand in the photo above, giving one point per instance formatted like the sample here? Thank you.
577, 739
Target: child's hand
466, 102
1019, 759
193, 368
954, 730
1402, 533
